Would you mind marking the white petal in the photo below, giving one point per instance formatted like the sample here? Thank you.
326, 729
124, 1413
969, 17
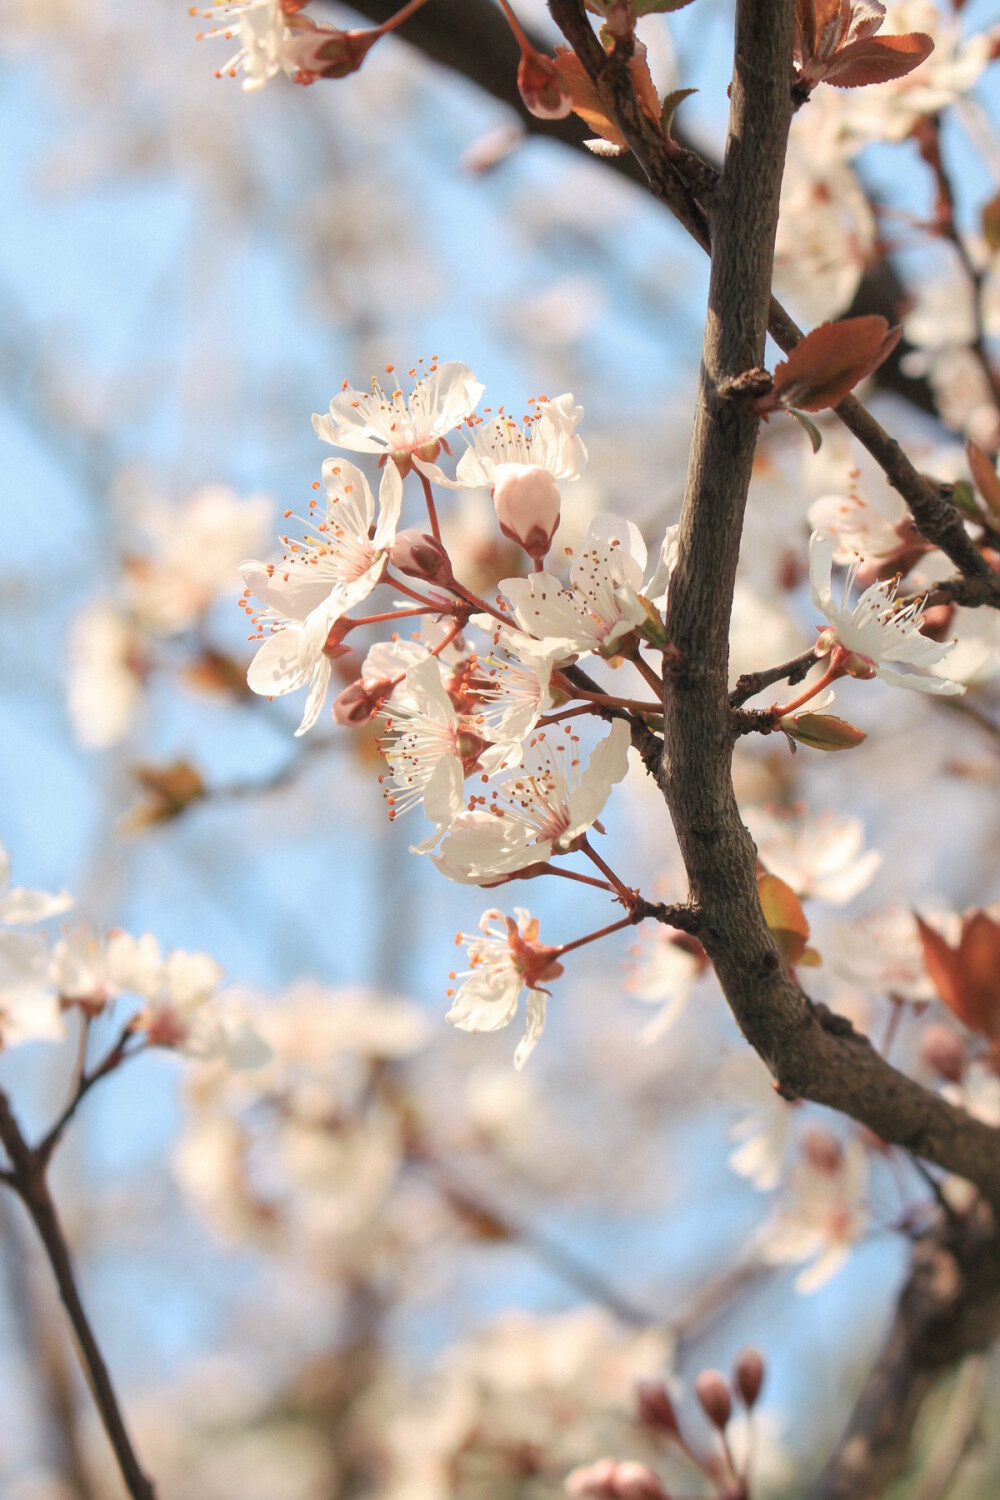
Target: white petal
276, 669
317, 695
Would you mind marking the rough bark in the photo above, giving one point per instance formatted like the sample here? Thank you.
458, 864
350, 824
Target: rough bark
949, 1307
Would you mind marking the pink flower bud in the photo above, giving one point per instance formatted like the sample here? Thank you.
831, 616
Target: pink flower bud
943, 1050
611, 1480
543, 91
634, 1481
359, 702
655, 1408
714, 1396
748, 1375
419, 555
822, 1150
593, 1480
527, 504
326, 51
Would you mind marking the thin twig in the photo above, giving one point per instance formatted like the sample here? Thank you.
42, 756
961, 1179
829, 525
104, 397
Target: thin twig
29, 1182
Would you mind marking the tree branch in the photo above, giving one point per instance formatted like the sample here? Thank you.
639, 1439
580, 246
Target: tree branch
949, 1307
27, 1179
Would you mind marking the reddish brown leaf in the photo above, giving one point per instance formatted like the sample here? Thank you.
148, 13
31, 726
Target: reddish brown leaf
985, 475
877, 59
784, 916
967, 978
991, 222
829, 362
587, 102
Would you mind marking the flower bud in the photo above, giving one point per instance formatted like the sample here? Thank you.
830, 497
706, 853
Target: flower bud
593, 1480
543, 91
943, 1050
609, 1479
326, 51
655, 1408
822, 731
419, 555
527, 504
748, 1376
822, 1150
360, 701
714, 1396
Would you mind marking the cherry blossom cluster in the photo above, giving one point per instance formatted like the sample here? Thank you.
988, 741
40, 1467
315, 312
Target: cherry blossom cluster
479, 706
42, 978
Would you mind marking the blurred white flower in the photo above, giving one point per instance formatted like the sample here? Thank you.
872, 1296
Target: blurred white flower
820, 856
823, 1211
194, 550
105, 672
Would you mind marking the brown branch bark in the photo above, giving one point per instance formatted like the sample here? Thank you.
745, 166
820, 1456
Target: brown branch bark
28, 1180
811, 1053
949, 1307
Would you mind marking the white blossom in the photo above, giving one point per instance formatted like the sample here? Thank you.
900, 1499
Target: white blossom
536, 813
502, 962
602, 603
875, 630
319, 579
407, 429
821, 857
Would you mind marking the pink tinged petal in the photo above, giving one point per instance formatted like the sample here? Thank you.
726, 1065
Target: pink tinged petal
607, 765
390, 501
535, 1024
452, 393
943, 686
276, 668
444, 794
317, 695
289, 589
626, 540
486, 1001
20, 907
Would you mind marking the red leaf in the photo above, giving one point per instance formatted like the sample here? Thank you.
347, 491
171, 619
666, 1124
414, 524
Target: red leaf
877, 59
967, 977
829, 362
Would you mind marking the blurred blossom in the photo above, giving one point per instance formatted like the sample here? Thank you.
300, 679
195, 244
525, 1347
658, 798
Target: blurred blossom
526, 1394
822, 1212
106, 668
882, 954
819, 855
826, 229
191, 554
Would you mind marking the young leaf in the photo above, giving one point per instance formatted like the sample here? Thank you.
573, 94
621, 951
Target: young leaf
877, 59
829, 362
966, 977
669, 108
784, 915
823, 731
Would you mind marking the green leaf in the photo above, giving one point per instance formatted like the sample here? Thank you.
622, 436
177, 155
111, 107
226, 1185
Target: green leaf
810, 428
669, 107
823, 731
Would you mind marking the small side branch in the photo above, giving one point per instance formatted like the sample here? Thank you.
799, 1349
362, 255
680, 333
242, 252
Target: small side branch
26, 1177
